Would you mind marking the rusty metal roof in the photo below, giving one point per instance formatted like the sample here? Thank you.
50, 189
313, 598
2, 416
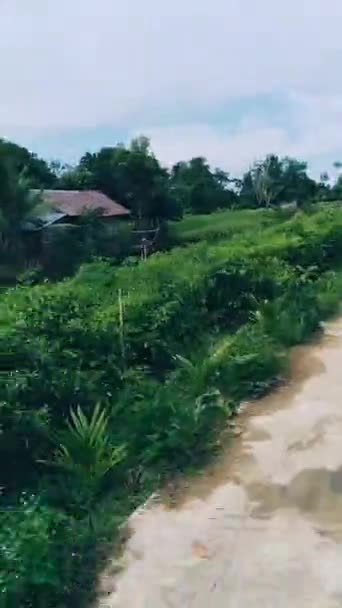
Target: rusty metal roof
38, 222
75, 202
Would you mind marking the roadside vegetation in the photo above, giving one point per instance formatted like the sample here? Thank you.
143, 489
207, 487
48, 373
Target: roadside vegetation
117, 373
119, 377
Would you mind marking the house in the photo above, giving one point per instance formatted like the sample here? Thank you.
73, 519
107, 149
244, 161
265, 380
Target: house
67, 206
63, 210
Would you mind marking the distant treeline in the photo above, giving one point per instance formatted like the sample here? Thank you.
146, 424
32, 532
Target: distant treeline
133, 176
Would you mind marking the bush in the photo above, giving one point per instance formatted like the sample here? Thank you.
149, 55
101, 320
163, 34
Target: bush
46, 557
294, 316
32, 552
247, 364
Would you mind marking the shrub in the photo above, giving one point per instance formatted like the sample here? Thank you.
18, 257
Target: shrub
47, 558
31, 554
86, 453
247, 364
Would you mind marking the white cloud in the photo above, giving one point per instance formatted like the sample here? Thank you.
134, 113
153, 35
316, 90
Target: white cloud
80, 64
230, 151
315, 138
84, 63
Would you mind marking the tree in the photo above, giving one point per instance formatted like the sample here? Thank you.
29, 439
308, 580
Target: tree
16, 201
276, 180
267, 180
246, 190
36, 170
336, 190
133, 177
74, 178
298, 186
198, 189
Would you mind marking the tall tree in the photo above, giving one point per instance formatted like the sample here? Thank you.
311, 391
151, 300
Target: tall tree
298, 185
74, 178
267, 180
16, 201
36, 170
275, 180
198, 189
133, 176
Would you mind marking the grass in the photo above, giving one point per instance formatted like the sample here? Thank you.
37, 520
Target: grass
221, 225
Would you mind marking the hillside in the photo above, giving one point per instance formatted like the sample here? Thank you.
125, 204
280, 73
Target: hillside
222, 225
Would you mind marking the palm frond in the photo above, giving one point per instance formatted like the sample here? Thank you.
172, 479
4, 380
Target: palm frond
85, 447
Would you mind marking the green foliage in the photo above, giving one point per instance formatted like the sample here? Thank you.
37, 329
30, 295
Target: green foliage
292, 317
85, 448
36, 170
248, 364
30, 564
65, 247
132, 175
47, 558
198, 189
16, 201
275, 180
168, 347
221, 225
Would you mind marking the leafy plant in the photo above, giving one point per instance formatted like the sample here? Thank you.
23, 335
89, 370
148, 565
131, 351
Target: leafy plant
29, 562
86, 450
193, 332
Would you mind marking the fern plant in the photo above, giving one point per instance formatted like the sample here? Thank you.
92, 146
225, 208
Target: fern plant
85, 448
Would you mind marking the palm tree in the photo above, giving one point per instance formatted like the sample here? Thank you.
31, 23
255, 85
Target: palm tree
86, 449
16, 202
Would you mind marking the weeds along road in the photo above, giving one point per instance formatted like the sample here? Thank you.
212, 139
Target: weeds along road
262, 527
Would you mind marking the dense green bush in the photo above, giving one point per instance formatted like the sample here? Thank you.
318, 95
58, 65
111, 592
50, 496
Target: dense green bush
248, 363
167, 348
31, 553
44, 556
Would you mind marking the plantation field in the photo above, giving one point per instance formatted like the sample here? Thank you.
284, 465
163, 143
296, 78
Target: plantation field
222, 224
120, 377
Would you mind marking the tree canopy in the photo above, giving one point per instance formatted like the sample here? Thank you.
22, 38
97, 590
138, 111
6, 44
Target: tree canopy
274, 181
198, 189
36, 170
133, 176
16, 201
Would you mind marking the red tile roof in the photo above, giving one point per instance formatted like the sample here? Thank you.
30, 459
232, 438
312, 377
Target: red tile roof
75, 202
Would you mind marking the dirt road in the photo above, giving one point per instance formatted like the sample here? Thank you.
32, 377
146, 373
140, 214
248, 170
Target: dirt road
262, 528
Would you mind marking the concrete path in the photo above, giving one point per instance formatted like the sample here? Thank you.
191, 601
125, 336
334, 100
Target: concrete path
262, 528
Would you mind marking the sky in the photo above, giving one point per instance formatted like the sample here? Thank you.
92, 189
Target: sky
231, 80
